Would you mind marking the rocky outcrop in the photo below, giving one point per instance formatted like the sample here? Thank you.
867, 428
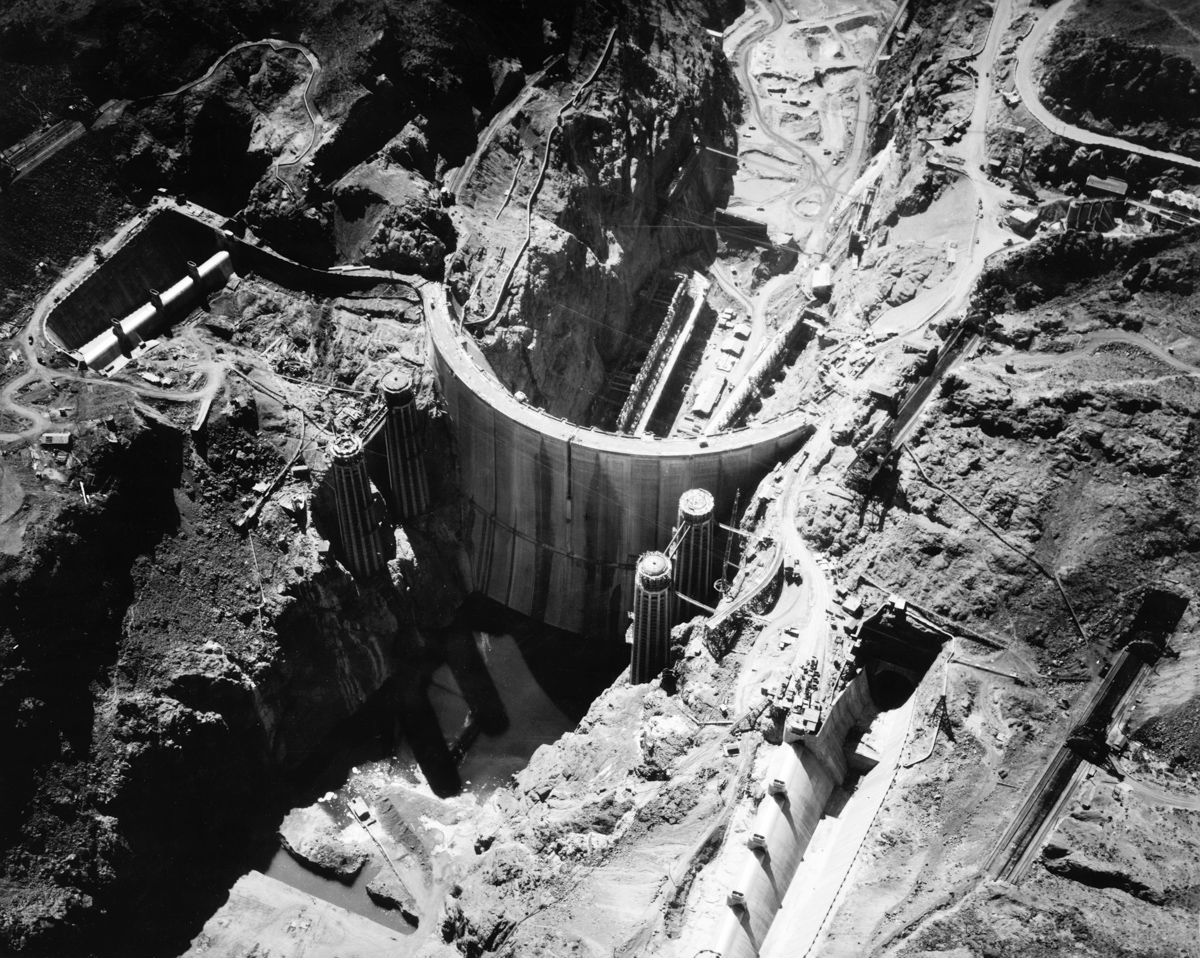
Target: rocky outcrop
1134, 91
155, 713
388, 891
540, 349
318, 842
626, 193
389, 218
1098, 874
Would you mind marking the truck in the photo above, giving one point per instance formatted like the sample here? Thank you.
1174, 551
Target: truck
359, 809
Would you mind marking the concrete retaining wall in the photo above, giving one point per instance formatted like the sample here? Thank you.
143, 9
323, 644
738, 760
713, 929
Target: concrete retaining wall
557, 515
810, 771
155, 257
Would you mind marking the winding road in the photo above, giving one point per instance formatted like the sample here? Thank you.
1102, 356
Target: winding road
1157, 795
462, 176
278, 46
35, 371
1027, 88
1088, 344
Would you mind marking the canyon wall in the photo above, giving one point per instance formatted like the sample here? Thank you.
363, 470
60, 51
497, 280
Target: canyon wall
629, 191
164, 678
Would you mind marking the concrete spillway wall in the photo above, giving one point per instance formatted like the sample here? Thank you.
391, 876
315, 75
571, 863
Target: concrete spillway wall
808, 771
154, 257
556, 515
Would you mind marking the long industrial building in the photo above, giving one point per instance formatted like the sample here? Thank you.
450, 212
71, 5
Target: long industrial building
556, 515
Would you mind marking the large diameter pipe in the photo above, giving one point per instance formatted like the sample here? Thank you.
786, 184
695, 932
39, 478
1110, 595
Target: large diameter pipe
139, 325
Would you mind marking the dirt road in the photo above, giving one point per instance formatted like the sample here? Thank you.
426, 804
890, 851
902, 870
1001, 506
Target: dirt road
1028, 90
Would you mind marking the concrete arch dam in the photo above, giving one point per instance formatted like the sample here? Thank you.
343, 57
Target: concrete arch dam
556, 514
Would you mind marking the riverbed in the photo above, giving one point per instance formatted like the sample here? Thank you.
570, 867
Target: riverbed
531, 718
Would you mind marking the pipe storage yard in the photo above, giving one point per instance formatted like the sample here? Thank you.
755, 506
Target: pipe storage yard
558, 514
159, 254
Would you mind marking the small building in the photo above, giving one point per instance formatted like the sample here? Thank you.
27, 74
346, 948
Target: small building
742, 330
56, 440
359, 809
887, 396
1107, 186
733, 346
1022, 222
810, 720
822, 280
802, 722
707, 395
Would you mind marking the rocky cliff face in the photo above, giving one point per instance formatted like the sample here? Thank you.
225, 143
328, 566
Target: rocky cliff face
1043, 498
163, 675
1134, 91
629, 190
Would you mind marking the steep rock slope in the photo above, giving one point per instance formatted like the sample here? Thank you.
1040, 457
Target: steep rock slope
629, 190
1057, 466
1123, 89
163, 676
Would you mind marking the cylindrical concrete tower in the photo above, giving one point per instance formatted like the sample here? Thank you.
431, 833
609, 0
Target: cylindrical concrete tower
357, 521
409, 492
651, 617
693, 559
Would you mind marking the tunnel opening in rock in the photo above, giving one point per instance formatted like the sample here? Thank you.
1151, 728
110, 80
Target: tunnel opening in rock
890, 688
895, 645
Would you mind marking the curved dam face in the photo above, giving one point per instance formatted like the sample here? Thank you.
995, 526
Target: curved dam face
557, 514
